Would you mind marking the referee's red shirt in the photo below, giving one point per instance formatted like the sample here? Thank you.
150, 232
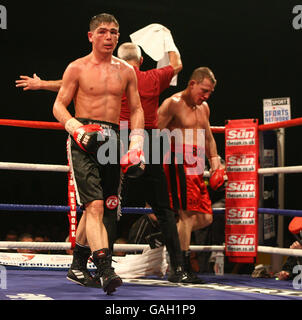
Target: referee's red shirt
151, 84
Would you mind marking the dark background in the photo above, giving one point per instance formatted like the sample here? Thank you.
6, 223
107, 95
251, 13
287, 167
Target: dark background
251, 46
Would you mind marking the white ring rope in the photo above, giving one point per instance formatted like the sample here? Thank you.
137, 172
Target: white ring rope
35, 245
33, 167
62, 168
67, 246
136, 247
292, 169
280, 251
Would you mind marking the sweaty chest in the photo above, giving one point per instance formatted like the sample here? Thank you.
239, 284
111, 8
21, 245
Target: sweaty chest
190, 118
100, 81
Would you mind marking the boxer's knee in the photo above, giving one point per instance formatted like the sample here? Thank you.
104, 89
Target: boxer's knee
202, 220
95, 208
187, 219
208, 219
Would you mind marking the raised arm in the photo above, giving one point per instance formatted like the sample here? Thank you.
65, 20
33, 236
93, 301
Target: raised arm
36, 83
175, 61
174, 55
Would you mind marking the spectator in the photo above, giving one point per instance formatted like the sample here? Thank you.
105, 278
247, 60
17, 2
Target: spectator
25, 237
120, 241
286, 272
295, 227
39, 238
11, 236
146, 230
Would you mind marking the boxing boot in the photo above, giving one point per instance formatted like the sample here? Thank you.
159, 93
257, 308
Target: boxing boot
78, 271
178, 275
105, 274
192, 277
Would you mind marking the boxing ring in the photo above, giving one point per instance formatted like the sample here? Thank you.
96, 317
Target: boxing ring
43, 277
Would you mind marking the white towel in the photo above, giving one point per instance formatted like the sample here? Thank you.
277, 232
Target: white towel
156, 40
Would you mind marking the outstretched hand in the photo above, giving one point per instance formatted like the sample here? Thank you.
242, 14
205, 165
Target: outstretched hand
28, 83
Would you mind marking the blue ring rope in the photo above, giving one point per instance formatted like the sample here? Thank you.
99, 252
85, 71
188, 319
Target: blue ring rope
282, 212
135, 210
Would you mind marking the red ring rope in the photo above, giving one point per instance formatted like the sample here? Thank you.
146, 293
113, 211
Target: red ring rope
31, 124
282, 124
55, 125
58, 126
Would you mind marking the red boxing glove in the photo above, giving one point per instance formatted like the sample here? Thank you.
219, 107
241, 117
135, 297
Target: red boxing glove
89, 137
133, 163
218, 179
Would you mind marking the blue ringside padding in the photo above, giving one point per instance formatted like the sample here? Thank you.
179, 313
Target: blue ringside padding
54, 285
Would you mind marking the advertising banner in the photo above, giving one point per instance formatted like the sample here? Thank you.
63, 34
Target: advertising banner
242, 152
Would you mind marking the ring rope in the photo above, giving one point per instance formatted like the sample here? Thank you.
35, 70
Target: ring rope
58, 126
281, 124
32, 124
136, 247
33, 167
63, 168
127, 210
35, 208
67, 246
282, 212
291, 169
280, 251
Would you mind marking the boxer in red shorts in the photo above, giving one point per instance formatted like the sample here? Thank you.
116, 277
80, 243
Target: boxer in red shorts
187, 189
188, 113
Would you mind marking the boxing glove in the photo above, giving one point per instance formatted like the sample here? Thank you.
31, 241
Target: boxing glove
133, 163
89, 137
218, 179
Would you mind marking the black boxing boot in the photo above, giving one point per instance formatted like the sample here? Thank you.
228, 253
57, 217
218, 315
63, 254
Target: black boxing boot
78, 271
178, 275
105, 274
192, 277
177, 272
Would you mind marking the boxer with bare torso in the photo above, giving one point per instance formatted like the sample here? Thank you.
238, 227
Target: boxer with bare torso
188, 112
96, 84
151, 186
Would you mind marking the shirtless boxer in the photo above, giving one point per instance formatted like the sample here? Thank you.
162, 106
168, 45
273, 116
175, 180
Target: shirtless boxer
151, 187
188, 193
96, 83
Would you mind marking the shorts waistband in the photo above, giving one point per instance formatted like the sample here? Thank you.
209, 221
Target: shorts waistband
103, 124
188, 148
